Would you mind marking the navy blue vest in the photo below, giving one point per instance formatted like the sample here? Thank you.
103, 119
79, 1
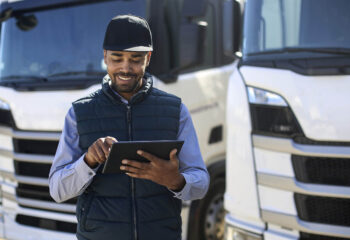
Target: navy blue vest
115, 206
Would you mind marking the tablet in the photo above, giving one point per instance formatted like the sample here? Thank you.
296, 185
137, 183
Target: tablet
127, 150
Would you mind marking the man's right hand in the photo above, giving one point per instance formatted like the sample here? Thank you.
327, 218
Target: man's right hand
98, 151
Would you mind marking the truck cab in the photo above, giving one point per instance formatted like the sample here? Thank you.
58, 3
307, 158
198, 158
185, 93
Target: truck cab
288, 139
51, 54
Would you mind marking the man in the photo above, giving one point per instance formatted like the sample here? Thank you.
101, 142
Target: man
145, 202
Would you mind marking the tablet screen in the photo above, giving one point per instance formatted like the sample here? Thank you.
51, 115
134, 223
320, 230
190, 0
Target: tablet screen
128, 150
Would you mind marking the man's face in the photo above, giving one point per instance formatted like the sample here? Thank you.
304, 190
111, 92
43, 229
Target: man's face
126, 70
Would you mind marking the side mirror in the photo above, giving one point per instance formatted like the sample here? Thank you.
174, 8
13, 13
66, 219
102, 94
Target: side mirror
191, 45
194, 8
231, 27
190, 39
237, 26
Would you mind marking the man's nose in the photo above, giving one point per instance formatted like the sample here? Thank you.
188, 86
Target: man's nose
125, 66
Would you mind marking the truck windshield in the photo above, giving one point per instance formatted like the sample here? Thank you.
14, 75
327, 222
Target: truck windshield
59, 43
296, 27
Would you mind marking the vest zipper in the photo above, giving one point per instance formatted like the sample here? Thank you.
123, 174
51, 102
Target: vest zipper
128, 116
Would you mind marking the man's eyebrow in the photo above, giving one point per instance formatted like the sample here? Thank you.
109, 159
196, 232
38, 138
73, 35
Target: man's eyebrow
117, 54
135, 55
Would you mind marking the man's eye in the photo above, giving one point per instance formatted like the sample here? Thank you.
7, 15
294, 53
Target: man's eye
116, 60
135, 61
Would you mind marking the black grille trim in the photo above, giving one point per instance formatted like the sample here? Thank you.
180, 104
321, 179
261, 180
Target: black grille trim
309, 236
46, 223
37, 193
6, 118
325, 210
45, 147
322, 170
46, 209
32, 169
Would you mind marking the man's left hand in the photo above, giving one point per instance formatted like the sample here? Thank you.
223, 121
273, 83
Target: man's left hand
158, 170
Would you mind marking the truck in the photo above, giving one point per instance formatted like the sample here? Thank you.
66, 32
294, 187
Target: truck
288, 132
51, 54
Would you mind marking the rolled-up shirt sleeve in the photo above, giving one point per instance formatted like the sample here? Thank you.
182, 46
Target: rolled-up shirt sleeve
192, 166
69, 174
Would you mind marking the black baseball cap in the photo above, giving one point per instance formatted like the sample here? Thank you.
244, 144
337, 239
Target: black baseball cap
128, 33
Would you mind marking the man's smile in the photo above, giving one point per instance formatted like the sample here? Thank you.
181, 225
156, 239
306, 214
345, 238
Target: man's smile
125, 77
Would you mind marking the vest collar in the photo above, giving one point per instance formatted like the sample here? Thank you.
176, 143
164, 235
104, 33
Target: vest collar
145, 89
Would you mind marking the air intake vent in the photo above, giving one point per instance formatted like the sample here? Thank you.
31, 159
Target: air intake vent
35, 146
323, 209
308, 236
46, 223
32, 169
331, 171
37, 193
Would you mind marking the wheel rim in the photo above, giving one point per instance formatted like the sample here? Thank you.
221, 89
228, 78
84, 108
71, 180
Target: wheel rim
214, 219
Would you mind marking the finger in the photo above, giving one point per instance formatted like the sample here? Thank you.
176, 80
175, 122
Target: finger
99, 154
94, 155
131, 169
135, 164
172, 155
110, 140
135, 175
148, 156
103, 146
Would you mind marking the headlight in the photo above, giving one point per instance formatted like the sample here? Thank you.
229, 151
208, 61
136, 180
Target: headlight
259, 96
232, 233
4, 105
271, 114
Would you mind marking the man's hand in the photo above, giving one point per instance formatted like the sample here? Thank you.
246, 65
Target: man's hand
158, 170
98, 151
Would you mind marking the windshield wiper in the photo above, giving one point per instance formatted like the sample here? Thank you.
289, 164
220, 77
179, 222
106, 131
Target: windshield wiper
77, 73
22, 79
330, 50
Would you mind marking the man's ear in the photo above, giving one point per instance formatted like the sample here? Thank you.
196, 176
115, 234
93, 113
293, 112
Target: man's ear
105, 56
148, 57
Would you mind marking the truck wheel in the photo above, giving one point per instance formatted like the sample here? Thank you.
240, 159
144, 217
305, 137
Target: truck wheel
212, 213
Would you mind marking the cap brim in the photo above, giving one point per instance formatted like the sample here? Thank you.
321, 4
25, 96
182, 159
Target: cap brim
129, 49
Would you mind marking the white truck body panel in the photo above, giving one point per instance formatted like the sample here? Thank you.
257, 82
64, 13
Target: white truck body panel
239, 153
320, 103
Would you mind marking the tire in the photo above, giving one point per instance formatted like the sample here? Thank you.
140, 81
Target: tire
210, 214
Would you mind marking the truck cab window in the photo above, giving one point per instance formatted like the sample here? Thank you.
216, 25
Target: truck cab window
277, 25
33, 52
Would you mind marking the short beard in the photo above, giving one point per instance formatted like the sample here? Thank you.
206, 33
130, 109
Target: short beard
132, 88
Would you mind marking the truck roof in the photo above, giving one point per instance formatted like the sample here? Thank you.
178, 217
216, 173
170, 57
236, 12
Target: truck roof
19, 6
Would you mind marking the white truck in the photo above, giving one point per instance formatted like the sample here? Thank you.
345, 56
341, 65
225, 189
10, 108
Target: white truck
51, 55
288, 139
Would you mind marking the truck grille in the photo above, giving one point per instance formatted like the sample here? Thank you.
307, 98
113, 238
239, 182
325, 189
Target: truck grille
46, 223
35, 146
325, 210
38, 170
322, 170
308, 236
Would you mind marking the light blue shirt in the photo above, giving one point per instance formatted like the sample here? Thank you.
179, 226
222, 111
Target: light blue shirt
70, 175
